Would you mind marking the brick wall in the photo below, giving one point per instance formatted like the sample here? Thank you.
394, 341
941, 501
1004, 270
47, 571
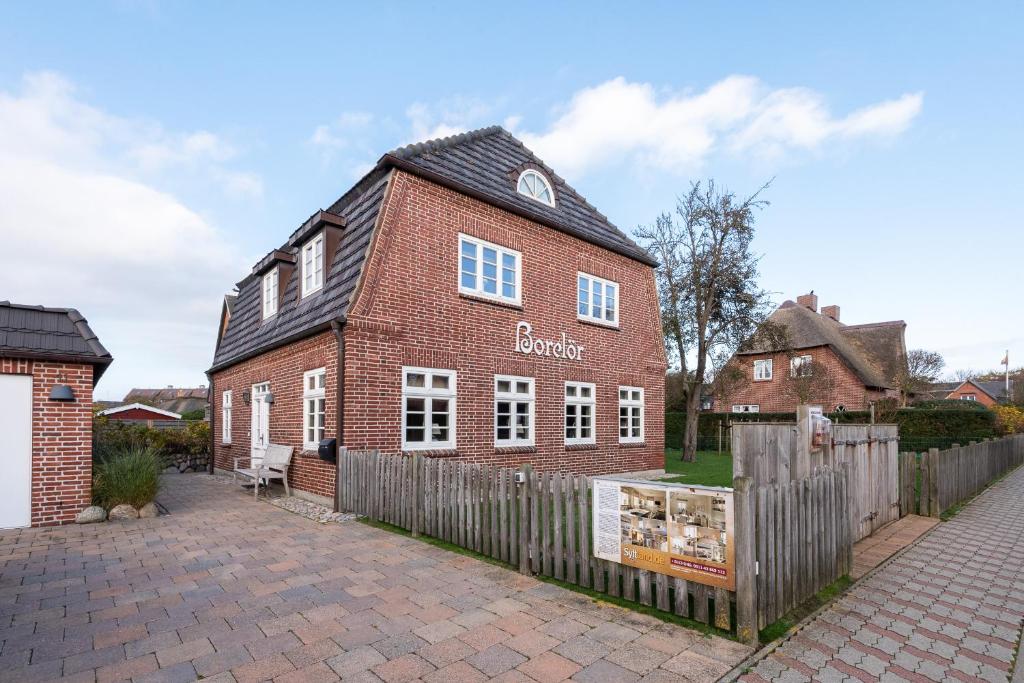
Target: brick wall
772, 395
283, 369
979, 395
409, 313
61, 439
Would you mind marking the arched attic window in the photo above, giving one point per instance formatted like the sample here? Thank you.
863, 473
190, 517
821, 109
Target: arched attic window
535, 186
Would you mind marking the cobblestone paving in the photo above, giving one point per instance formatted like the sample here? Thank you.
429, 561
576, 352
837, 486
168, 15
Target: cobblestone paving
948, 609
228, 589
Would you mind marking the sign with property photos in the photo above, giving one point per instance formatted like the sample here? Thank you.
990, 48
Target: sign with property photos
682, 531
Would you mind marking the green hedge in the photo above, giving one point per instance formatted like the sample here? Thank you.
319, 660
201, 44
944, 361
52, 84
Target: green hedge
920, 428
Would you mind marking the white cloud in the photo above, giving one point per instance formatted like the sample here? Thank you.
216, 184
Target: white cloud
621, 121
80, 228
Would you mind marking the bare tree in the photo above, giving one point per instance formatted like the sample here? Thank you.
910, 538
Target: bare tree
963, 374
923, 368
809, 382
707, 284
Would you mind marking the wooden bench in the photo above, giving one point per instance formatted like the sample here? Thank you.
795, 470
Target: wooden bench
274, 466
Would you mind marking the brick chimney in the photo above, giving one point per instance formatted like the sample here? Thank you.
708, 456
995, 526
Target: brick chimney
808, 301
830, 312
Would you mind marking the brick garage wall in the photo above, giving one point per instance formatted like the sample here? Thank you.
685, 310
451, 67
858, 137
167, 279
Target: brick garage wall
409, 312
283, 369
772, 395
61, 439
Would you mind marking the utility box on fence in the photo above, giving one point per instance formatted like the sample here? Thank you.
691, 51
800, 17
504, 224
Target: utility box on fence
821, 432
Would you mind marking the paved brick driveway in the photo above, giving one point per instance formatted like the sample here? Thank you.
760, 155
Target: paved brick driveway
225, 588
949, 609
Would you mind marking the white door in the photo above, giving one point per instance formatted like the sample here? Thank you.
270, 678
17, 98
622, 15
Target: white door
260, 429
15, 451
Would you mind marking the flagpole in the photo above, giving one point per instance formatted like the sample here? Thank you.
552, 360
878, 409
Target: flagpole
1007, 359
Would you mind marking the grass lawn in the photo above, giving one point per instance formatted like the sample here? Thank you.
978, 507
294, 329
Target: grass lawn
710, 469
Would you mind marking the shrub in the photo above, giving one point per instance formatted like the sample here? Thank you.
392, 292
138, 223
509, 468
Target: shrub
111, 436
1009, 419
129, 476
190, 415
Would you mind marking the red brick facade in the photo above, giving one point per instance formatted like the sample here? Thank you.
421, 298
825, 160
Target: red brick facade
968, 391
140, 414
776, 395
408, 311
61, 439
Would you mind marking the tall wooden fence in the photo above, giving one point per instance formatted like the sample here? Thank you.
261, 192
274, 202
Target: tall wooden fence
779, 453
933, 482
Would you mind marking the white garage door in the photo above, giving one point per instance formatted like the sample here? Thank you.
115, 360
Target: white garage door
15, 451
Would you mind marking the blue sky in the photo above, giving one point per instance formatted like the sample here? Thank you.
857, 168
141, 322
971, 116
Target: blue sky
151, 152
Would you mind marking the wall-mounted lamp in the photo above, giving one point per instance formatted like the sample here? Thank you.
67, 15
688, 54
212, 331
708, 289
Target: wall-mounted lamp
62, 392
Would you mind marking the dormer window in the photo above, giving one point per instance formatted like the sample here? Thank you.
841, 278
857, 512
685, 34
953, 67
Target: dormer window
535, 186
313, 265
270, 289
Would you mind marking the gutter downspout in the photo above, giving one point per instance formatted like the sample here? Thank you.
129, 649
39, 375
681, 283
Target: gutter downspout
336, 327
213, 429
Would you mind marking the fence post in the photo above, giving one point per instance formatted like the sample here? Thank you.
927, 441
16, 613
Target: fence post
934, 510
847, 520
746, 570
416, 486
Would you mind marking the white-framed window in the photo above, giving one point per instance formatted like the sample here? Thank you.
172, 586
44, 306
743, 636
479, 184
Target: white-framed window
428, 408
489, 271
801, 366
314, 410
270, 285
534, 185
580, 406
745, 408
313, 265
968, 397
762, 370
513, 411
631, 414
597, 299
225, 417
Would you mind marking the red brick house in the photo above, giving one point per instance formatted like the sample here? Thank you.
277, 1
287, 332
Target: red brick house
50, 360
461, 301
140, 412
987, 393
861, 363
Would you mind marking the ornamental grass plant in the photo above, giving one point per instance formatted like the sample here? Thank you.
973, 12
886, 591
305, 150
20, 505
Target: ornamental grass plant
127, 476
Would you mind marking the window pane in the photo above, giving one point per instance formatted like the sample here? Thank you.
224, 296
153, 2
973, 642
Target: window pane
504, 386
439, 381
585, 392
504, 433
504, 409
414, 435
439, 405
570, 390
468, 248
609, 303
415, 379
623, 394
636, 395
523, 388
596, 299
522, 409
415, 404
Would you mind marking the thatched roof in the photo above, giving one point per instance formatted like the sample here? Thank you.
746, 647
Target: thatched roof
875, 352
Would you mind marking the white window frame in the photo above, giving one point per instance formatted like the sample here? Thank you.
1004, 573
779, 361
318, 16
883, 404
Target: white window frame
635, 408
427, 393
270, 290
514, 399
968, 397
746, 408
796, 366
225, 417
589, 316
316, 282
759, 366
547, 184
477, 289
310, 398
579, 401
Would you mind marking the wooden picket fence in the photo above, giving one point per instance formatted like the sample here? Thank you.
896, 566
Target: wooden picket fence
804, 540
540, 525
934, 481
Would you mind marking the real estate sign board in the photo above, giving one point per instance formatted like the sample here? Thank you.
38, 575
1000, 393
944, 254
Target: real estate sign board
682, 531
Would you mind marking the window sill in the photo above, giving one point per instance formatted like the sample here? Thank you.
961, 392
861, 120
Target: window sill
431, 452
226, 444
309, 453
767, 379
581, 446
498, 448
597, 323
488, 300
632, 444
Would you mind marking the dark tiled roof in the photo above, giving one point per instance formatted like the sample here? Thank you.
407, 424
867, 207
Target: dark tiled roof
996, 389
875, 352
487, 163
483, 163
57, 334
248, 334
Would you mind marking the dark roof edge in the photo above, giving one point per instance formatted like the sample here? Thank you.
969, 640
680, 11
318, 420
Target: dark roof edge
400, 163
284, 341
99, 363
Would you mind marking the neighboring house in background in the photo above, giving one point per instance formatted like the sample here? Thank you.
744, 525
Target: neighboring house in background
50, 360
987, 393
140, 413
174, 399
460, 301
936, 391
862, 362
